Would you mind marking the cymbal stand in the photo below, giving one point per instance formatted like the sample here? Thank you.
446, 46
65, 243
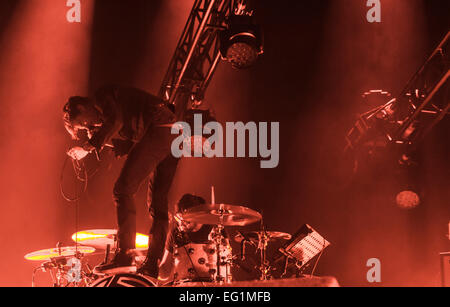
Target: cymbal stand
262, 246
218, 239
59, 264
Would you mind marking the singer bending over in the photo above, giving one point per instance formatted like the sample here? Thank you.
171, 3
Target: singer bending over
137, 125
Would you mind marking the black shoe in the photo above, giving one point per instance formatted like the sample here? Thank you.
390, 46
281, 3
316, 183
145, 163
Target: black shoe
121, 263
149, 268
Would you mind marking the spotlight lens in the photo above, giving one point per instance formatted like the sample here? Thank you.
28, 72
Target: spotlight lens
407, 199
242, 55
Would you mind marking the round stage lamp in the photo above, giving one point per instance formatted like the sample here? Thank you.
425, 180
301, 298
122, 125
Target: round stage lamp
241, 43
407, 199
242, 51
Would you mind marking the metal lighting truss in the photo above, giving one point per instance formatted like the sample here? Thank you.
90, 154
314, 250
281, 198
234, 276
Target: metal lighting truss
196, 55
406, 120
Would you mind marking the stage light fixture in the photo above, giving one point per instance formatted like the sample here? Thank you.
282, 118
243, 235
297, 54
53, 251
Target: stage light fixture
241, 43
408, 196
407, 199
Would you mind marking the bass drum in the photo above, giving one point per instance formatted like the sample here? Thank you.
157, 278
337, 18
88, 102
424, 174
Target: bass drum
124, 280
198, 262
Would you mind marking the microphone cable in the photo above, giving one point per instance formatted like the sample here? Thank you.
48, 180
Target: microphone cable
81, 175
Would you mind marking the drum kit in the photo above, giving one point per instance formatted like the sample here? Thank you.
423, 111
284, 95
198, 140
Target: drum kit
208, 262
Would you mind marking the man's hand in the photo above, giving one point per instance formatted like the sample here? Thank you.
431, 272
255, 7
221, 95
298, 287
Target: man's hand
77, 153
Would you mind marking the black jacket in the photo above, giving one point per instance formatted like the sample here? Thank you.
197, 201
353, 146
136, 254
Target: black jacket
127, 113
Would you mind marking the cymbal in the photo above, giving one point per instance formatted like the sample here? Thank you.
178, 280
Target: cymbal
226, 215
255, 235
67, 251
100, 238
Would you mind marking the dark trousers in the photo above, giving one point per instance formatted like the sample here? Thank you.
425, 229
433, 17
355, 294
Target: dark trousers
151, 156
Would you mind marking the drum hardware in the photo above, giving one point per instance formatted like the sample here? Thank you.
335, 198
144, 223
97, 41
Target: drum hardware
59, 263
89, 275
260, 239
263, 241
304, 246
220, 216
218, 238
262, 247
107, 253
289, 257
55, 264
243, 240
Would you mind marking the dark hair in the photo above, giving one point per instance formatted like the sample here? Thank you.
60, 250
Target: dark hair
71, 109
188, 201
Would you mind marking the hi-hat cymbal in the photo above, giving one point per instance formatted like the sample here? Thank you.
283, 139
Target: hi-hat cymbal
256, 235
101, 238
226, 215
68, 251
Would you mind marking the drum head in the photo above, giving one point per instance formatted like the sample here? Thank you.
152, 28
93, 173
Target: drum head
198, 262
124, 280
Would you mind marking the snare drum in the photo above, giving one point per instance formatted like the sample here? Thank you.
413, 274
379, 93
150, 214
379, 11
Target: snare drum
198, 262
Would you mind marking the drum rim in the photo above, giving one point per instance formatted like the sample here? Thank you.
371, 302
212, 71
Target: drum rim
148, 279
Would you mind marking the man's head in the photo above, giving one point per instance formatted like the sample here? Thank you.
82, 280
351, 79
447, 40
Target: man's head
186, 202
80, 114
